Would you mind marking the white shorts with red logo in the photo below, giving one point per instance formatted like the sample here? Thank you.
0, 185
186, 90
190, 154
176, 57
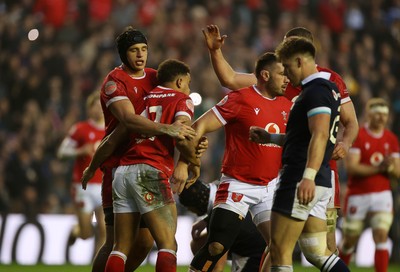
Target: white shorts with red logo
240, 197
140, 188
87, 200
357, 206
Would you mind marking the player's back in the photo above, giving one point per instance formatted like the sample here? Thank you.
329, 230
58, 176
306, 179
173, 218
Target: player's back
162, 105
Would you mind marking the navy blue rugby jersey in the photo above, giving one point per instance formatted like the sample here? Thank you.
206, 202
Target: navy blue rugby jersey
318, 96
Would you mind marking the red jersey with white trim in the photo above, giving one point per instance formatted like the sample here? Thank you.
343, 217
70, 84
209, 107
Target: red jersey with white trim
163, 105
244, 160
292, 93
119, 85
81, 134
372, 149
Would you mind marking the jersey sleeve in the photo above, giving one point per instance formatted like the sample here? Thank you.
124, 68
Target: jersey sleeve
228, 108
113, 90
396, 148
75, 132
185, 107
344, 93
319, 101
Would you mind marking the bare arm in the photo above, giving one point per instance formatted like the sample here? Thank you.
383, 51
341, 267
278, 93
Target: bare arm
349, 121
103, 151
206, 123
389, 166
124, 111
261, 136
319, 129
225, 73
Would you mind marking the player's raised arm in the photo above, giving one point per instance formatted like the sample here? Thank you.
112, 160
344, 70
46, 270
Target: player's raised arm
225, 73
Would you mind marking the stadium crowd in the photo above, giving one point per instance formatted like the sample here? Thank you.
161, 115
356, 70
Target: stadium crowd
45, 79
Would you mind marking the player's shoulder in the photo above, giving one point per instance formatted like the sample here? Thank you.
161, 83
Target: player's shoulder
284, 101
116, 73
150, 71
333, 76
390, 134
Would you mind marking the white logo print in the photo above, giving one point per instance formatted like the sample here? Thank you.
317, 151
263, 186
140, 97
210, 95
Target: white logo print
135, 89
256, 110
284, 115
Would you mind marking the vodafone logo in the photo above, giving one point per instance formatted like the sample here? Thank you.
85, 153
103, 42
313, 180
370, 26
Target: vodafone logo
272, 128
149, 197
376, 159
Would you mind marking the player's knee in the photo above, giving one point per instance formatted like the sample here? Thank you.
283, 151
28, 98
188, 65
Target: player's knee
331, 219
215, 248
382, 220
313, 246
352, 227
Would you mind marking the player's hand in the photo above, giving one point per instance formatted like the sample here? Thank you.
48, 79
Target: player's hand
340, 151
259, 135
197, 228
213, 38
306, 191
179, 177
194, 171
180, 131
202, 146
87, 175
387, 165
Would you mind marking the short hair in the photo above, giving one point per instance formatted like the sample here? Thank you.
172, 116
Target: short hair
294, 45
196, 196
300, 32
93, 98
169, 69
126, 39
265, 60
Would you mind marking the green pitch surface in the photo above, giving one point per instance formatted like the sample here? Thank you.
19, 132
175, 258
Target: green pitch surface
148, 268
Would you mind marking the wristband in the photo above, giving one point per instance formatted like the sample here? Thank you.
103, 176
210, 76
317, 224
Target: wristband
309, 173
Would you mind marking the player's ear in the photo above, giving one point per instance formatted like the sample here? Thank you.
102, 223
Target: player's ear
298, 62
178, 82
265, 74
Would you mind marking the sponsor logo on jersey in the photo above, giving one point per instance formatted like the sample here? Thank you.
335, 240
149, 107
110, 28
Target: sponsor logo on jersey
164, 95
272, 128
376, 159
110, 87
256, 110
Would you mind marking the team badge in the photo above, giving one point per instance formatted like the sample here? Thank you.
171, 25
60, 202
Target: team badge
236, 197
149, 197
110, 87
284, 115
353, 210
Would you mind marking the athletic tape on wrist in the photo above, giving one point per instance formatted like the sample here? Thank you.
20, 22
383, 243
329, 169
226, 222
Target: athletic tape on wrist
309, 173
